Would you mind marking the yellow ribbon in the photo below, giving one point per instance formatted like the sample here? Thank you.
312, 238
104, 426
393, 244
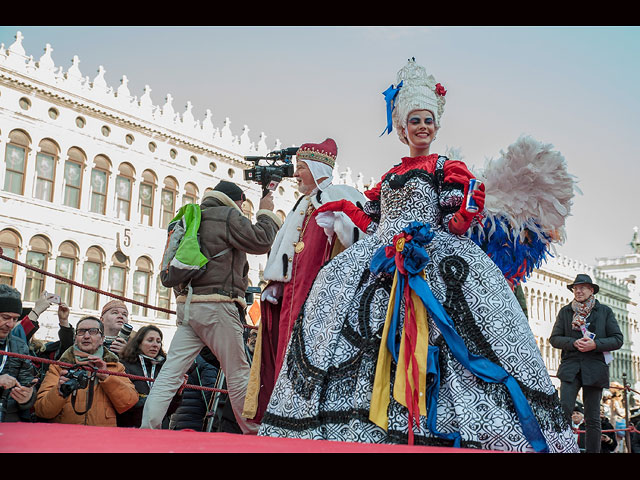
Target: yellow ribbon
378, 410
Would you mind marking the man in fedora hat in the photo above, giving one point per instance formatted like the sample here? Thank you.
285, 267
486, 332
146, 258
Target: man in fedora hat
586, 331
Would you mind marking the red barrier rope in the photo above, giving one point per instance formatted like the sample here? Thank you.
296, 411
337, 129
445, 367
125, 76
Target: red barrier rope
93, 289
108, 372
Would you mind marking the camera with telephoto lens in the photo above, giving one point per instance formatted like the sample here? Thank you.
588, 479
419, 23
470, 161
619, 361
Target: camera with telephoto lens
125, 332
278, 167
78, 379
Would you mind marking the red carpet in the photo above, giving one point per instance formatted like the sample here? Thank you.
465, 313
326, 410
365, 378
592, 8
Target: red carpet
56, 438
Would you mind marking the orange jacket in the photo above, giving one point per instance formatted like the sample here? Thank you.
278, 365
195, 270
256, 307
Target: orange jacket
116, 393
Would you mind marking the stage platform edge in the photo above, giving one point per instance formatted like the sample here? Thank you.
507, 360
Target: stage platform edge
58, 438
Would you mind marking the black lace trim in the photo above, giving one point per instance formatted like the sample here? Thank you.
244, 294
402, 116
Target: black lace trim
398, 437
397, 181
323, 418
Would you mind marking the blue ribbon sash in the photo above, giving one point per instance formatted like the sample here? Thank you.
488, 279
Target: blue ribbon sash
414, 261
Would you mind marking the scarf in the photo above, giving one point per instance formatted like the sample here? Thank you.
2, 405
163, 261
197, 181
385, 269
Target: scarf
581, 311
81, 356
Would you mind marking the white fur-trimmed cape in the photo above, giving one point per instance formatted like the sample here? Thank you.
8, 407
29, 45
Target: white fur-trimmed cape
289, 233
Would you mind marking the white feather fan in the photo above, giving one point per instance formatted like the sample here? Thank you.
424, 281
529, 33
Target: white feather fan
529, 186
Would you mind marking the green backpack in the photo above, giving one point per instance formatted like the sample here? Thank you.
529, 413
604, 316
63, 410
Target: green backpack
182, 260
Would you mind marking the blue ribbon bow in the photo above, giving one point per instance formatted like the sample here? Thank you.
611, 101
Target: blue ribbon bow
415, 259
389, 97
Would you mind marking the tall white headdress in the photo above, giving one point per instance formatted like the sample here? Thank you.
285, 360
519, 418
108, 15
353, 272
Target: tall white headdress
414, 90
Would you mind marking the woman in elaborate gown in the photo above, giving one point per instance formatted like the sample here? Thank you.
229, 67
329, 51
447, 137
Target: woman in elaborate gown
413, 335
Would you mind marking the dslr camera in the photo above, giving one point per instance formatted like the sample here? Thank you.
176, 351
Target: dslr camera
78, 379
278, 166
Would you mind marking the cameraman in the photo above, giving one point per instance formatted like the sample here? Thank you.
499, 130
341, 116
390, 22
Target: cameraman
87, 398
216, 309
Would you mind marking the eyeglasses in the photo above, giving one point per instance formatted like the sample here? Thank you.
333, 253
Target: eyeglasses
92, 331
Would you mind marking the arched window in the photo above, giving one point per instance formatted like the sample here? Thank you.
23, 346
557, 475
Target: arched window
141, 280
46, 161
99, 184
16, 161
37, 256
147, 193
66, 267
73, 168
169, 192
118, 274
124, 183
190, 194
91, 275
10, 242
164, 300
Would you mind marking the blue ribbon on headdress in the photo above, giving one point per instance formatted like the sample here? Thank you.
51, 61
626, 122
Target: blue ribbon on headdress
415, 260
389, 97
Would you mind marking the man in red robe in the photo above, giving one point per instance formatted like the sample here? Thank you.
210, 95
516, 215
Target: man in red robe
303, 245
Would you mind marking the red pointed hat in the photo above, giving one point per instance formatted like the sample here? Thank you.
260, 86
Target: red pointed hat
325, 152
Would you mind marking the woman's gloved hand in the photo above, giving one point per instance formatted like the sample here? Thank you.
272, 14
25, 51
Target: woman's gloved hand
461, 221
357, 216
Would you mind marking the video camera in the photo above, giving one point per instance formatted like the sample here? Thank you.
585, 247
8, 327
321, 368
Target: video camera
278, 166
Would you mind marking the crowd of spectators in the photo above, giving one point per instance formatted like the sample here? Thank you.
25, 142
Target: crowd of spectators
103, 388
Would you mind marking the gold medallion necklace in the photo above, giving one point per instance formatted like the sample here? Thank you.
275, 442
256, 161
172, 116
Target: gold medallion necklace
299, 245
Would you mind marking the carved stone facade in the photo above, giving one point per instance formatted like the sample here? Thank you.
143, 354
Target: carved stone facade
91, 177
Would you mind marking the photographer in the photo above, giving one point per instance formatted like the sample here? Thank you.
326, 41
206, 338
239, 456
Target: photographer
115, 314
216, 308
80, 395
16, 374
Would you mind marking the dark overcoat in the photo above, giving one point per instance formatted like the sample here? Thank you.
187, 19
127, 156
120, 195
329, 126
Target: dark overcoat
591, 365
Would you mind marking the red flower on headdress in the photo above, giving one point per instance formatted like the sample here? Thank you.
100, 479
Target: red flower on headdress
440, 90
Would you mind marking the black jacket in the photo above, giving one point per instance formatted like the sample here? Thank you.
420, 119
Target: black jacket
22, 370
592, 366
193, 409
133, 416
224, 228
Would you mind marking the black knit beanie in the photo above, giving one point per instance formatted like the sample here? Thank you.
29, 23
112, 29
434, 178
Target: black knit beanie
10, 300
231, 190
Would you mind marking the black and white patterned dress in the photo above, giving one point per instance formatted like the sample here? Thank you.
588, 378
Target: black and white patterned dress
324, 388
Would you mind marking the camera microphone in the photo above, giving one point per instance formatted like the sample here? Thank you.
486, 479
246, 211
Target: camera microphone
285, 152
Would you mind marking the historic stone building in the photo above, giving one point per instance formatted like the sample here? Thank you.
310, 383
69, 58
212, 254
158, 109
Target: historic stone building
92, 175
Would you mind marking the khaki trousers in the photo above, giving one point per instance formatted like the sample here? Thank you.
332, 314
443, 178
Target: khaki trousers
216, 325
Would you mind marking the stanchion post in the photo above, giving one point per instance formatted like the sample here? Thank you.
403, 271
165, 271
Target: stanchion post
627, 433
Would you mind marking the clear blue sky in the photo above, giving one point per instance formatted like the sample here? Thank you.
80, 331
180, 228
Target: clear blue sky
573, 87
